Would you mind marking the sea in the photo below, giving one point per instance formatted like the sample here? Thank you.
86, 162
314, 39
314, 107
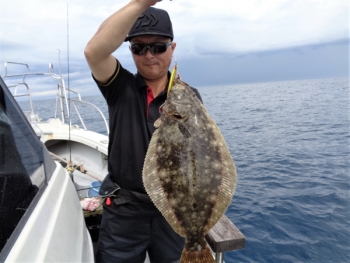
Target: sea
290, 141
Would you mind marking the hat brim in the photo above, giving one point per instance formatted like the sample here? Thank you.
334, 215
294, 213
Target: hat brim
129, 37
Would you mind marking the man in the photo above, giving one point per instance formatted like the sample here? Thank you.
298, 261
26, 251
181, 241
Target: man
131, 224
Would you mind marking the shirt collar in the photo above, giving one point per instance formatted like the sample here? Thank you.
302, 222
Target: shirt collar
140, 82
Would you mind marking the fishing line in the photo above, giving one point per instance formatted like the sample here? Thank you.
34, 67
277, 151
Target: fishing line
69, 102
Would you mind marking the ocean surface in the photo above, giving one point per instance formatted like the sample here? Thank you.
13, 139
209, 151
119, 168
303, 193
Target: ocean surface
291, 145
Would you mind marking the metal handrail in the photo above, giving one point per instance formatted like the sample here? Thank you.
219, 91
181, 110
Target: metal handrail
61, 93
94, 106
23, 95
80, 118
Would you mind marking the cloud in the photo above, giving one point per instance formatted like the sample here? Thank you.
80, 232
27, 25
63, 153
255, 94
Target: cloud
244, 26
214, 38
314, 61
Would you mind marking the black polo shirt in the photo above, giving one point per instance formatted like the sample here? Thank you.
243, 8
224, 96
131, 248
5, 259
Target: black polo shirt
131, 128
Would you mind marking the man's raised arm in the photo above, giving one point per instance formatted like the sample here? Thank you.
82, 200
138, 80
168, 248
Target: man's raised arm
109, 37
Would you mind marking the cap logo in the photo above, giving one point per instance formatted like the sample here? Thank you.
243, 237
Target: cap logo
146, 20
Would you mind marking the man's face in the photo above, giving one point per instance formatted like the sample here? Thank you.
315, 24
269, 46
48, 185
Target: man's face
153, 66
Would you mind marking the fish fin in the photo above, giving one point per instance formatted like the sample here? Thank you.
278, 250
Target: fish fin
154, 189
157, 123
228, 185
181, 82
201, 256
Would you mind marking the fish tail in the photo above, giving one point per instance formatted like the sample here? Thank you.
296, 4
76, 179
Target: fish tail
197, 256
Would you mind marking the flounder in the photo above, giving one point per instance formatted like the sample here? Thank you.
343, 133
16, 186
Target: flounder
188, 171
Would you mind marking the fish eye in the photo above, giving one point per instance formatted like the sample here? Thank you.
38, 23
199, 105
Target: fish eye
177, 116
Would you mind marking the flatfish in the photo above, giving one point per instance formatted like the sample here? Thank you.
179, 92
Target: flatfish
188, 171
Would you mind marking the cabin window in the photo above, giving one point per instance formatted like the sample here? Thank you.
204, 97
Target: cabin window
21, 165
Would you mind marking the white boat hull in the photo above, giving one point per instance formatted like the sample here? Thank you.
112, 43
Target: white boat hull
55, 225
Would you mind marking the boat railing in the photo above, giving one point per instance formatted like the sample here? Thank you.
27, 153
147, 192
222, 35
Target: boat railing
63, 99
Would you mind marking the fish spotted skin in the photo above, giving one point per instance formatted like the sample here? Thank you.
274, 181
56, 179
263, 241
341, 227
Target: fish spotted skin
188, 172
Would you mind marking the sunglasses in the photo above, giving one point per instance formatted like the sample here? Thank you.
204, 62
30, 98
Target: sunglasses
156, 48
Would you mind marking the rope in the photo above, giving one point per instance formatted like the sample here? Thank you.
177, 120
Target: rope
75, 167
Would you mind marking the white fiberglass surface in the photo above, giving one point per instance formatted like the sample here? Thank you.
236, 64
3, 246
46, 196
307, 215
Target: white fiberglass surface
55, 231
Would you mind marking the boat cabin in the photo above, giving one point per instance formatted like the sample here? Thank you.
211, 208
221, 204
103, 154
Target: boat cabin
39, 208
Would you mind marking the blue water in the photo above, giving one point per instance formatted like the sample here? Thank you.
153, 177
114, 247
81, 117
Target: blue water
291, 145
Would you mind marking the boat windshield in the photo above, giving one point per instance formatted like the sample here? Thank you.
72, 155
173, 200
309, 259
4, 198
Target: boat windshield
22, 171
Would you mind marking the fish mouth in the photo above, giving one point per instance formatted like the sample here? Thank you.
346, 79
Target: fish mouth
180, 103
176, 116
175, 110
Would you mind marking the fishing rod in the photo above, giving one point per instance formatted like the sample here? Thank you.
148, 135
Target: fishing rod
70, 167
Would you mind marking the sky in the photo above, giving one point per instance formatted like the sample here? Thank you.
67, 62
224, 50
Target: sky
219, 42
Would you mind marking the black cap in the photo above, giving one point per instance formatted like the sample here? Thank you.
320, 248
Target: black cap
153, 21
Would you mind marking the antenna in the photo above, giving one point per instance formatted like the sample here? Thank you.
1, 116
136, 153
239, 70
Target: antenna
68, 45
59, 61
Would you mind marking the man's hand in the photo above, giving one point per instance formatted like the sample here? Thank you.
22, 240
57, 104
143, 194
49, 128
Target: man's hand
147, 3
110, 35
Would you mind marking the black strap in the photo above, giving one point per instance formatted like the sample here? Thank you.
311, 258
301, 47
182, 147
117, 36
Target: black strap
126, 196
121, 196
